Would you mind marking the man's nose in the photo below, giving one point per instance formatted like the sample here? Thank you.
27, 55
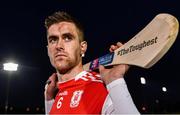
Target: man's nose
60, 44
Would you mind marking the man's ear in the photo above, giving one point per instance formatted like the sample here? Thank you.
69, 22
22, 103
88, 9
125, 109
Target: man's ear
83, 47
47, 50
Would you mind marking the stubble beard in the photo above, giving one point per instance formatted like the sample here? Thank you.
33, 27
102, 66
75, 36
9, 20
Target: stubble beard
66, 65
63, 66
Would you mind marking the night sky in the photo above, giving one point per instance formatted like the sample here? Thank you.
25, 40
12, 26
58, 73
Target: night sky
23, 41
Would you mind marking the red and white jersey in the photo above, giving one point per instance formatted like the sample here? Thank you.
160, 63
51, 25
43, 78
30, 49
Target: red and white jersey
87, 94
84, 94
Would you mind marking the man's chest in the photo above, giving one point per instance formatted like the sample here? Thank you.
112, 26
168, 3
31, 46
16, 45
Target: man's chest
80, 98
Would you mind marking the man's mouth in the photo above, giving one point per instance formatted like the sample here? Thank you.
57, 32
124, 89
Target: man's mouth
60, 55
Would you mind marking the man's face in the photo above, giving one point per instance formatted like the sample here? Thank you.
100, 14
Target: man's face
64, 47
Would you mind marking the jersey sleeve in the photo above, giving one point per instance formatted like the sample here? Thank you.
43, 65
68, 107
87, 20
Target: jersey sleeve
119, 100
49, 103
48, 106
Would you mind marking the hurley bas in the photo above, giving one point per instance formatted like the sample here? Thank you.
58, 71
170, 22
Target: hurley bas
137, 47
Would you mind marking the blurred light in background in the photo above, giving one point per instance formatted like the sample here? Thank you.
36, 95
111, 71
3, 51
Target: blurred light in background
10, 66
164, 89
143, 80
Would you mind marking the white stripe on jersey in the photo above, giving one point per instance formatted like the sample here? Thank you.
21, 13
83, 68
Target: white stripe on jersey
84, 75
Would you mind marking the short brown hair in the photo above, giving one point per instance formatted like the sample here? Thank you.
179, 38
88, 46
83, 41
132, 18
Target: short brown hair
62, 16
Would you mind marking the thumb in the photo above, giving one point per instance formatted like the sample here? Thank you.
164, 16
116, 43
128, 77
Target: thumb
53, 79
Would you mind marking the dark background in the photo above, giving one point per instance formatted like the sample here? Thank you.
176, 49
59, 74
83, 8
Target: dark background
23, 40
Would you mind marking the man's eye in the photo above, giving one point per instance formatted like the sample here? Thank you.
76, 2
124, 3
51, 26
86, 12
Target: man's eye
67, 37
52, 40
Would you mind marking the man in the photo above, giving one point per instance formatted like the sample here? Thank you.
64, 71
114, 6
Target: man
73, 90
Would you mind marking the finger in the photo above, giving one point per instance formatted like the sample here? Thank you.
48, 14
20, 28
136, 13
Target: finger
112, 48
52, 79
46, 86
48, 81
119, 44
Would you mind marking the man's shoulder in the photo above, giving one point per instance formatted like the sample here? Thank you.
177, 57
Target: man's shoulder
93, 76
88, 76
95, 84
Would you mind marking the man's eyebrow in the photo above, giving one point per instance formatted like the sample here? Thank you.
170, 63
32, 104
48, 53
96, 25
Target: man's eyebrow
51, 36
68, 34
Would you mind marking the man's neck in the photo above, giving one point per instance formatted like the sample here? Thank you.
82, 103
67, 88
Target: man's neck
70, 74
